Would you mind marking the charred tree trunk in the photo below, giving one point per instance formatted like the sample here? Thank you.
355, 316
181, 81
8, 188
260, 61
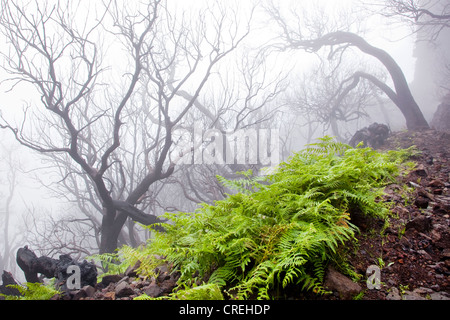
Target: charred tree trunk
7, 279
33, 265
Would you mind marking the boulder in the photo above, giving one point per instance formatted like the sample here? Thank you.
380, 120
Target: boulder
420, 223
112, 278
336, 281
123, 289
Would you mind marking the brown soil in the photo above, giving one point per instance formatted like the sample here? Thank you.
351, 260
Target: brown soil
413, 252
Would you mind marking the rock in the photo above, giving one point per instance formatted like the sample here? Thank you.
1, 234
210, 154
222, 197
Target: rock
168, 285
408, 295
435, 235
421, 171
439, 296
90, 291
124, 279
113, 278
421, 202
78, 294
394, 294
110, 295
373, 136
342, 284
123, 289
425, 255
420, 223
437, 184
153, 290
85, 292
131, 271
440, 208
423, 290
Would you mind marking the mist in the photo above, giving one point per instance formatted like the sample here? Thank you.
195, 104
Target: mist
115, 100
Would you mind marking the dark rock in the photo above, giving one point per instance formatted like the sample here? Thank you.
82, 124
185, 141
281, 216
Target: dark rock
420, 171
441, 208
421, 202
153, 290
78, 294
373, 136
89, 290
163, 272
168, 285
343, 285
113, 278
420, 223
132, 270
123, 289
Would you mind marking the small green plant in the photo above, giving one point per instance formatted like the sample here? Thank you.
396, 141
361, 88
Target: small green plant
32, 291
209, 291
403, 289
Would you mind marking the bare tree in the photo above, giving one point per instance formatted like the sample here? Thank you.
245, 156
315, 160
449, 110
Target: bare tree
425, 16
314, 38
322, 99
9, 179
90, 133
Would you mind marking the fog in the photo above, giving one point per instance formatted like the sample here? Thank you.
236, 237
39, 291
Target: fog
219, 65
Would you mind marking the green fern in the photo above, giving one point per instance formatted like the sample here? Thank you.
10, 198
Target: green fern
202, 292
32, 291
283, 232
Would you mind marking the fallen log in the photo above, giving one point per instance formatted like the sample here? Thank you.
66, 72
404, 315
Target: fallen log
33, 265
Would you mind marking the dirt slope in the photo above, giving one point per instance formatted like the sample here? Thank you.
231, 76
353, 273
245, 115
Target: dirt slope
414, 251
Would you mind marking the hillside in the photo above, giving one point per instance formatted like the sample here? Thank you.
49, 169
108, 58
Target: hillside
412, 251
415, 248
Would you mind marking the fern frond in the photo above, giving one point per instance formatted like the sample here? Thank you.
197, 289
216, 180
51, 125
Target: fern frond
32, 291
280, 233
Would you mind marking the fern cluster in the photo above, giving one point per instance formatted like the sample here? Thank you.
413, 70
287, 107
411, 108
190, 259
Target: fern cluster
32, 291
283, 231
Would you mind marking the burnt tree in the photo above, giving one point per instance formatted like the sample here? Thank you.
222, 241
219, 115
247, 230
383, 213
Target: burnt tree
400, 95
87, 132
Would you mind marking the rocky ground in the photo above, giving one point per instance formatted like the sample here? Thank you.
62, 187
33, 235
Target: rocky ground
412, 251
126, 286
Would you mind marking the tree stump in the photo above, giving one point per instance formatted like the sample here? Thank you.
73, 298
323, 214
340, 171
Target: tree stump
52, 268
7, 279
